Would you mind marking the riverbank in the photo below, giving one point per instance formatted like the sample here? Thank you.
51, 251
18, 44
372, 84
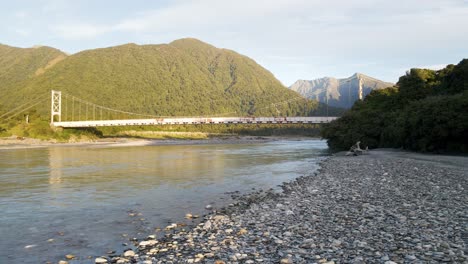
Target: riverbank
26, 143
385, 207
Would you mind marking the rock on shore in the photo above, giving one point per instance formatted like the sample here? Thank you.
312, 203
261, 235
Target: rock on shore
377, 208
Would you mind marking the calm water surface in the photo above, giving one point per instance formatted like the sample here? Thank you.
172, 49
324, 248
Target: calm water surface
86, 201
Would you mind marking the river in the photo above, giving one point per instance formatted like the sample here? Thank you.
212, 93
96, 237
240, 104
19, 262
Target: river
89, 200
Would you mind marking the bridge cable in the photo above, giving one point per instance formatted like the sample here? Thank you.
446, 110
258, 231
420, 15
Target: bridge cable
34, 103
79, 112
27, 108
23, 105
101, 108
66, 108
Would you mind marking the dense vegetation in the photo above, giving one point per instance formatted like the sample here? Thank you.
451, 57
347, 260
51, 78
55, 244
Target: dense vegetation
184, 78
39, 127
426, 111
312, 130
18, 65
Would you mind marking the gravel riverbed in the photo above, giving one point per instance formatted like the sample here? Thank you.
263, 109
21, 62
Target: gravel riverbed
384, 207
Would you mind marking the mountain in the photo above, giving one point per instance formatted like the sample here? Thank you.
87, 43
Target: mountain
19, 64
341, 92
184, 77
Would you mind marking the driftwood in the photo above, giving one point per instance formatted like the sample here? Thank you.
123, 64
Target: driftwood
356, 150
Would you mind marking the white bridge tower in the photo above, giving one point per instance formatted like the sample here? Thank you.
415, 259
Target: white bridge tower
56, 106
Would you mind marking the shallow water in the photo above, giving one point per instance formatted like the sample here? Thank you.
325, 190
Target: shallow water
86, 201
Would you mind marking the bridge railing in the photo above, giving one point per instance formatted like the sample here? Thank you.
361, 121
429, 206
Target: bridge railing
198, 120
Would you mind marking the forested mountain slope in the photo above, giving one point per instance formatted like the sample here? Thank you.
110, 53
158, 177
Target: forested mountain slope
426, 111
183, 78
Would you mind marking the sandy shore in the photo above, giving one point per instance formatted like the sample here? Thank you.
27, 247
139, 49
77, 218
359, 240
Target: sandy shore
385, 207
14, 143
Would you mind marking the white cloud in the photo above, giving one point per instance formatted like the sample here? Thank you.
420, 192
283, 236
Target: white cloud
312, 34
80, 31
320, 23
333, 37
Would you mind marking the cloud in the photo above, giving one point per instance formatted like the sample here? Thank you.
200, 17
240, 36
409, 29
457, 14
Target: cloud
333, 37
328, 25
80, 31
195, 14
319, 24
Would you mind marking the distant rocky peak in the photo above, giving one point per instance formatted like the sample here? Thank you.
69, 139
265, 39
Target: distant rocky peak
338, 92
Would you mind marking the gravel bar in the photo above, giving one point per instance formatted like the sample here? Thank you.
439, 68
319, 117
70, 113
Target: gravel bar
383, 207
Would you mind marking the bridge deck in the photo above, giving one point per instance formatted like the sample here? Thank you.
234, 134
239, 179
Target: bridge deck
198, 120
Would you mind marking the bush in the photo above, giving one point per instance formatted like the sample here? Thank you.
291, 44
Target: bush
426, 111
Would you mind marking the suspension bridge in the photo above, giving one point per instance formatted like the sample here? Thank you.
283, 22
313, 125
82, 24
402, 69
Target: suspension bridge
68, 111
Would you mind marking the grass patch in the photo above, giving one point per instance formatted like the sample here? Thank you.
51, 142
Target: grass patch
41, 129
311, 130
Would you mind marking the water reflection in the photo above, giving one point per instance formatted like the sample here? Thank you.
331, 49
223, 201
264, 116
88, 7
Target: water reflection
139, 167
56, 166
85, 193
22, 172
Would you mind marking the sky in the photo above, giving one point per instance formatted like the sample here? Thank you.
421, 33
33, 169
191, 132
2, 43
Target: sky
294, 39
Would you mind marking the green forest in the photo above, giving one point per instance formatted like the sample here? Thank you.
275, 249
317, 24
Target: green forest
186, 77
426, 111
312, 130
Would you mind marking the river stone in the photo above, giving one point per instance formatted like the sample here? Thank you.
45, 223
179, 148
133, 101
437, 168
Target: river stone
129, 254
352, 214
171, 226
243, 231
147, 243
336, 243
30, 246
100, 261
207, 225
